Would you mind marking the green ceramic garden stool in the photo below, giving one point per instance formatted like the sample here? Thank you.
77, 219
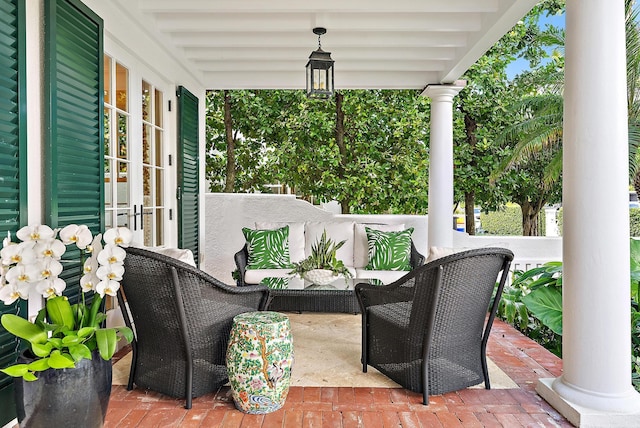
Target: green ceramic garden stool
259, 360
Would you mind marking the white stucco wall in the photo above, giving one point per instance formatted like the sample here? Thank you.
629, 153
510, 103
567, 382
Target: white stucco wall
226, 214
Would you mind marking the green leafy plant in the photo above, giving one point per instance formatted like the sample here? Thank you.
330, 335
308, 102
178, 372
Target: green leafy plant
542, 294
540, 290
323, 256
62, 334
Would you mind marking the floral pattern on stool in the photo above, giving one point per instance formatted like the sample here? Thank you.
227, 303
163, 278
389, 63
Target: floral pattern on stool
259, 361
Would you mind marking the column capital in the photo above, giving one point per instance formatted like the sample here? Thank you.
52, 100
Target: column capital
444, 92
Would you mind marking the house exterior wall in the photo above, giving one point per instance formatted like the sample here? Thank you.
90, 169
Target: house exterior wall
147, 58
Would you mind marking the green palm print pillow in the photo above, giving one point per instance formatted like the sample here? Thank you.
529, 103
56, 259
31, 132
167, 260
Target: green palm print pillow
268, 249
389, 250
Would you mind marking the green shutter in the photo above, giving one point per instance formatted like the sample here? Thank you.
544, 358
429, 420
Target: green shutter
74, 191
188, 172
13, 185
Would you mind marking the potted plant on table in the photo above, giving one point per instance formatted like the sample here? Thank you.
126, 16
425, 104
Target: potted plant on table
68, 362
322, 267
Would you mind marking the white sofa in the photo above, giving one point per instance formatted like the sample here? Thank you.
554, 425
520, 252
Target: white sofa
354, 253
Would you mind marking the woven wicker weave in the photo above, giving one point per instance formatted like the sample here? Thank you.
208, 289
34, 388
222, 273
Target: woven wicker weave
428, 331
182, 318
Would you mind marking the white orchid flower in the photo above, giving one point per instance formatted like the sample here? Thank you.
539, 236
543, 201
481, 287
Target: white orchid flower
76, 234
50, 248
96, 245
112, 271
107, 287
111, 254
18, 253
9, 293
7, 241
90, 266
88, 282
121, 236
51, 287
23, 274
35, 233
49, 269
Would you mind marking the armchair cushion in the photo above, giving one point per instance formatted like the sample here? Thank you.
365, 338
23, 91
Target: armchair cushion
389, 250
267, 249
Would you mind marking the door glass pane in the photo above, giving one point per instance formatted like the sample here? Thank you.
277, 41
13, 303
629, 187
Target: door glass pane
158, 103
146, 144
159, 186
107, 80
146, 184
146, 101
116, 143
123, 218
122, 136
107, 134
122, 87
159, 227
158, 148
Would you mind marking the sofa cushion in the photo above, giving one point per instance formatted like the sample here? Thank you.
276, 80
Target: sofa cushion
182, 254
389, 250
438, 252
296, 237
255, 276
267, 249
384, 276
337, 231
361, 245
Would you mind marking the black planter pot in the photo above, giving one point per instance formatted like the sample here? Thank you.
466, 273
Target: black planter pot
76, 397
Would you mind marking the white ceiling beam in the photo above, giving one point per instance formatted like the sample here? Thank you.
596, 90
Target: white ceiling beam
296, 80
330, 43
367, 66
426, 6
365, 21
302, 54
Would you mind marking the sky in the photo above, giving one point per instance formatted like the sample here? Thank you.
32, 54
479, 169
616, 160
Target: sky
520, 64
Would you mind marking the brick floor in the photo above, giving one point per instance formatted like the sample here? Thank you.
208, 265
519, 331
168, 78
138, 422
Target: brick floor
520, 358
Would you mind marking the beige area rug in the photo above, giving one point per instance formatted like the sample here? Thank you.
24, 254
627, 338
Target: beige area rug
327, 353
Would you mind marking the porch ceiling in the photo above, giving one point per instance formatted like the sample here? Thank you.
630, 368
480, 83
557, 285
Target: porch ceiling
258, 44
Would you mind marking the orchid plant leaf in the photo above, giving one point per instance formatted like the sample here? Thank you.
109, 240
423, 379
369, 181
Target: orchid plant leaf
107, 340
23, 329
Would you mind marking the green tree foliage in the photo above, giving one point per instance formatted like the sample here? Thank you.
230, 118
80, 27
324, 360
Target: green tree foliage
281, 137
484, 110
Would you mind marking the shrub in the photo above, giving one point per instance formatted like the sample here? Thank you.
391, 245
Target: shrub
508, 222
634, 221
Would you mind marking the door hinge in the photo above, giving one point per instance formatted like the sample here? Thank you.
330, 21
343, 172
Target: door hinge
169, 160
170, 213
179, 193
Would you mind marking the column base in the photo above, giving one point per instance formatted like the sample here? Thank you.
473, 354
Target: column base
626, 413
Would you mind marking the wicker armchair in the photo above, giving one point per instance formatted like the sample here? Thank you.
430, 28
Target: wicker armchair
428, 331
182, 319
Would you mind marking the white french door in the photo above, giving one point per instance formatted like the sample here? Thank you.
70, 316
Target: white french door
135, 162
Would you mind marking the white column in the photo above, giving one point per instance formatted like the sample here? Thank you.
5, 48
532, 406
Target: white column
595, 388
440, 226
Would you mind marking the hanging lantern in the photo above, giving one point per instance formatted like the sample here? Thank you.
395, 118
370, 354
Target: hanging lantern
320, 71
